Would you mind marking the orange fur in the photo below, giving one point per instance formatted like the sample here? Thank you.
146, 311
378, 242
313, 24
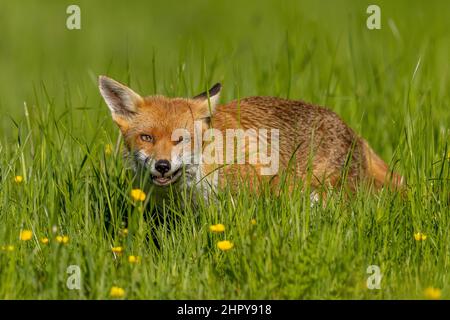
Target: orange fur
315, 145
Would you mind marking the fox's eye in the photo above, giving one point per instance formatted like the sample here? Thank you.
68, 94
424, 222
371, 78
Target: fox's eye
146, 138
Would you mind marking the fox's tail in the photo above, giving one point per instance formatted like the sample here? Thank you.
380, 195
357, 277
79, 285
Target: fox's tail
378, 170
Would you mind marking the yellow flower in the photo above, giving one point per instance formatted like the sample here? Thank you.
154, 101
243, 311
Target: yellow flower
26, 235
44, 240
138, 194
225, 245
117, 250
7, 248
432, 293
134, 259
18, 179
253, 221
217, 228
108, 149
124, 232
62, 239
116, 292
420, 236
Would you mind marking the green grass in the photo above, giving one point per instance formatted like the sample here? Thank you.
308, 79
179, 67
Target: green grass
390, 85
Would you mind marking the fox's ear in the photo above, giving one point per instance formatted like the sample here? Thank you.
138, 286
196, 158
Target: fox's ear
121, 100
207, 101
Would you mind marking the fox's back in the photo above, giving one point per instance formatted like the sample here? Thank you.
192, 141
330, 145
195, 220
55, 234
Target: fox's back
306, 131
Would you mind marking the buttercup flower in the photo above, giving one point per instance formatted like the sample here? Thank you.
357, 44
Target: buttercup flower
26, 235
62, 239
117, 250
253, 221
134, 259
420, 236
432, 293
44, 240
138, 195
18, 179
116, 292
217, 228
225, 245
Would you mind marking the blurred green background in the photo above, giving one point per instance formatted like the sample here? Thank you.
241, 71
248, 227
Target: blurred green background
319, 51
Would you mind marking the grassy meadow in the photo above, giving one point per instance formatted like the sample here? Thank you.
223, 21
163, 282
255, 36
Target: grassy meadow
390, 85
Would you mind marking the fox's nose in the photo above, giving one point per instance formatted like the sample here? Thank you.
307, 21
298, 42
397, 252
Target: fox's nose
162, 166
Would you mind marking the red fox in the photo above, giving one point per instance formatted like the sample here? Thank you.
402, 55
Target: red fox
161, 136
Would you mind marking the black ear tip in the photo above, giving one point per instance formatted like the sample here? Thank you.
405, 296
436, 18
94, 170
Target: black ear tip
215, 89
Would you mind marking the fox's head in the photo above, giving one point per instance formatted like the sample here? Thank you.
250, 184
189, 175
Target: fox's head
158, 130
